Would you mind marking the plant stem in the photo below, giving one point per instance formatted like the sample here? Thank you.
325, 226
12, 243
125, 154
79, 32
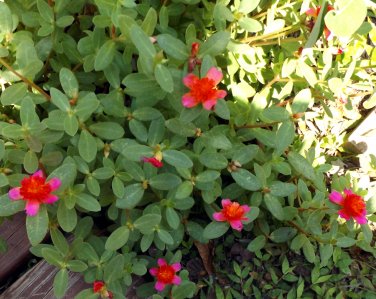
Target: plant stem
24, 79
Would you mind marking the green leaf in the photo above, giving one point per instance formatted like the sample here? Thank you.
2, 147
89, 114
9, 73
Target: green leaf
215, 44
250, 25
138, 130
213, 160
184, 190
222, 110
132, 196
107, 130
59, 99
215, 229
147, 223
88, 202
284, 137
246, 180
6, 20
117, 239
150, 21
87, 146
103, 173
37, 226
146, 114
70, 124
68, 82
207, 176
64, 21
345, 242
177, 159
318, 27
142, 42
164, 78
309, 251
347, 19
275, 113
282, 189
257, 244
66, 218
302, 101
13, 94
172, 217
86, 106
61, 283
52, 256
298, 242
301, 165
165, 181
165, 237
31, 162
10, 207
45, 11
76, 266
247, 6
274, 206
136, 152
114, 269
283, 234
66, 173
105, 55
185, 290
173, 47
179, 127
314, 222
59, 241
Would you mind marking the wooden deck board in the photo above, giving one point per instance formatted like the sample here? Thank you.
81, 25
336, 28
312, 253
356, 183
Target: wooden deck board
14, 232
37, 283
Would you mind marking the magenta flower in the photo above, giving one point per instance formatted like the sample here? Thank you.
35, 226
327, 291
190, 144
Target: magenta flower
233, 213
203, 90
353, 205
35, 191
165, 274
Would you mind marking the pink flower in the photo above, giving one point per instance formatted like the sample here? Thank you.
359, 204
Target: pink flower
233, 213
35, 191
100, 288
203, 90
353, 205
153, 161
165, 274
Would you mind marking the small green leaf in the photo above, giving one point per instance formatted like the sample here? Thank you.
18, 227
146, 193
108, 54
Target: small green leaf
147, 223
274, 206
215, 229
247, 6
45, 11
250, 25
283, 234
173, 47
105, 55
177, 159
215, 44
68, 82
164, 78
142, 42
172, 217
257, 244
246, 180
165, 237
6, 20
132, 196
107, 130
10, 207
59, 99
345, 242
165, 181
88, 202
117, 239
13, 94
37, 226
87, 146
61, 283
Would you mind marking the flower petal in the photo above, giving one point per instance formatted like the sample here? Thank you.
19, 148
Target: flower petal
189, 80
209, 104
51, 199
161, 262
226, 202
336, 197
312, 12
361, 219
219, 216
54, 183
32, 208
38, 173
342, 213
159, 286
215, 75
348, 192
176, 280
236, 224
14, 193
188, 101
246, 208
153, 271
176, 267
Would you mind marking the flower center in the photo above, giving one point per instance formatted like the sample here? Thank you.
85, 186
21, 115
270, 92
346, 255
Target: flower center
35, 189
166, 274
203, 89
354, 205
233, 212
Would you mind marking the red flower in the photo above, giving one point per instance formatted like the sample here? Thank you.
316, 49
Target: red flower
35, 191
100, 288
153, 161
353, 205
233, 213
314, 12
203, 90
193, 60
165, 274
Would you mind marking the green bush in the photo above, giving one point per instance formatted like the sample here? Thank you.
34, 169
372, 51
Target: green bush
95, 101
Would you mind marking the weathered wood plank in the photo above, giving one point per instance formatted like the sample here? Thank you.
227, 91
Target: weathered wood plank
37, 283
14, 232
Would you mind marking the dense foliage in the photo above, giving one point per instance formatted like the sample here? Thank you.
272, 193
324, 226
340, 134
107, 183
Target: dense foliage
153, 132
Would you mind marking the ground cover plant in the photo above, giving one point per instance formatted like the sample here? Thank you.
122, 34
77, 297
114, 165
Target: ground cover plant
191, 148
